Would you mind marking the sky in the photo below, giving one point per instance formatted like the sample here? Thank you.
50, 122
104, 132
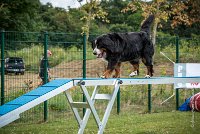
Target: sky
66, 3
63, 3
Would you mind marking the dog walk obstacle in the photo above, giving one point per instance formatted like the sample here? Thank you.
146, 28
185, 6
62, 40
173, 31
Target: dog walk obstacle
11, 111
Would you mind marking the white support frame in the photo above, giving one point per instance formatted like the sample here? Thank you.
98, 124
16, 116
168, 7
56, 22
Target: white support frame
90, 108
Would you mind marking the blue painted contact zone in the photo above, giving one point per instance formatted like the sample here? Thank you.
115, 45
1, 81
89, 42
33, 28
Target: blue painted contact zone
16, 103
7, 108
57, 83
32, 95
22, 100
40, 91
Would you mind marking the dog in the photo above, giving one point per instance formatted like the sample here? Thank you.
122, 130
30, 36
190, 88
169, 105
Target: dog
116, 48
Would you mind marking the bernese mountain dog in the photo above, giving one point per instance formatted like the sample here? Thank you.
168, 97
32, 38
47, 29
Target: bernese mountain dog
116, 48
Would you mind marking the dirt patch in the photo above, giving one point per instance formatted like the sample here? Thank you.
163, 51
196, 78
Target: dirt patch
74, 69
96, 67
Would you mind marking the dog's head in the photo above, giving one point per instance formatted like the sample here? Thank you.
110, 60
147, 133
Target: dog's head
99, 48
105, 44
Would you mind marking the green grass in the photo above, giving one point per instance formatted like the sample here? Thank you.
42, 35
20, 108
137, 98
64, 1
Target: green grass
126, 123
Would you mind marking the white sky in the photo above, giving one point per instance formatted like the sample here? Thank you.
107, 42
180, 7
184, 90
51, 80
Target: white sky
66, 3
63, 3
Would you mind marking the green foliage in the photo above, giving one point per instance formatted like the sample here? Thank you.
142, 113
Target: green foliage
19, 15
120, 28
98, 29
74, 20
114, 8
135, 20
196, 38
92, 10
164, 40
189, 50
57, 19
24, 15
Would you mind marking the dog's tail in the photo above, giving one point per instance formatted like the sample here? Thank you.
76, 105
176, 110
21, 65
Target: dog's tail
147, 24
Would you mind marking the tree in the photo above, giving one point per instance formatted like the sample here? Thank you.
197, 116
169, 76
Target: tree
92, 10
20, 15
118, 18
120, 28
163, 10
55, 19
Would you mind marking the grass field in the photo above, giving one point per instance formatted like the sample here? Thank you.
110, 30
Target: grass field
174, 122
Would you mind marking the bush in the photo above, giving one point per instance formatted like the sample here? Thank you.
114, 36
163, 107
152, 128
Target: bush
120, 28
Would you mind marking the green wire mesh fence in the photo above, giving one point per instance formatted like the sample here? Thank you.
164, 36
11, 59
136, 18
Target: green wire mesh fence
67, 62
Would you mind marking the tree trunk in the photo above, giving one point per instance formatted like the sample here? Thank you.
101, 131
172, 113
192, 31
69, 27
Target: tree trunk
154, 31
155, 25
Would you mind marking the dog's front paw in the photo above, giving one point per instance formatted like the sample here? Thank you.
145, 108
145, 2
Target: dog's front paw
103, 76
147, 76
134, 73
116, 76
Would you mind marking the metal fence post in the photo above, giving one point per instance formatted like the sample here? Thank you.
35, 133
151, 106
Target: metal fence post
84, 64
45, 73
118, 102
2, 66
177, 61
149, 98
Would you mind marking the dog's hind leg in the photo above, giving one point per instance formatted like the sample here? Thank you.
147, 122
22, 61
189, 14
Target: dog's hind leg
117, 70
147, 57
135, 65
149, 71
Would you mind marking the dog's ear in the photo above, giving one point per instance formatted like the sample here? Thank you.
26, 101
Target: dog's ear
93, 43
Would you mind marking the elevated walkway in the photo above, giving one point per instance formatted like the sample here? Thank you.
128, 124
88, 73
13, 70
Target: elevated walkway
11, 111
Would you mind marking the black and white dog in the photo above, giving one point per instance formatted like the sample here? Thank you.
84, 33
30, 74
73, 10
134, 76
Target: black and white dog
116, 48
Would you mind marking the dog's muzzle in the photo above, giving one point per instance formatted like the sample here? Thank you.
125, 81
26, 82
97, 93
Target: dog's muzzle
95, 53
98, 52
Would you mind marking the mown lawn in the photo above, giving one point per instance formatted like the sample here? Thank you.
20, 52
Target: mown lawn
126, 123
